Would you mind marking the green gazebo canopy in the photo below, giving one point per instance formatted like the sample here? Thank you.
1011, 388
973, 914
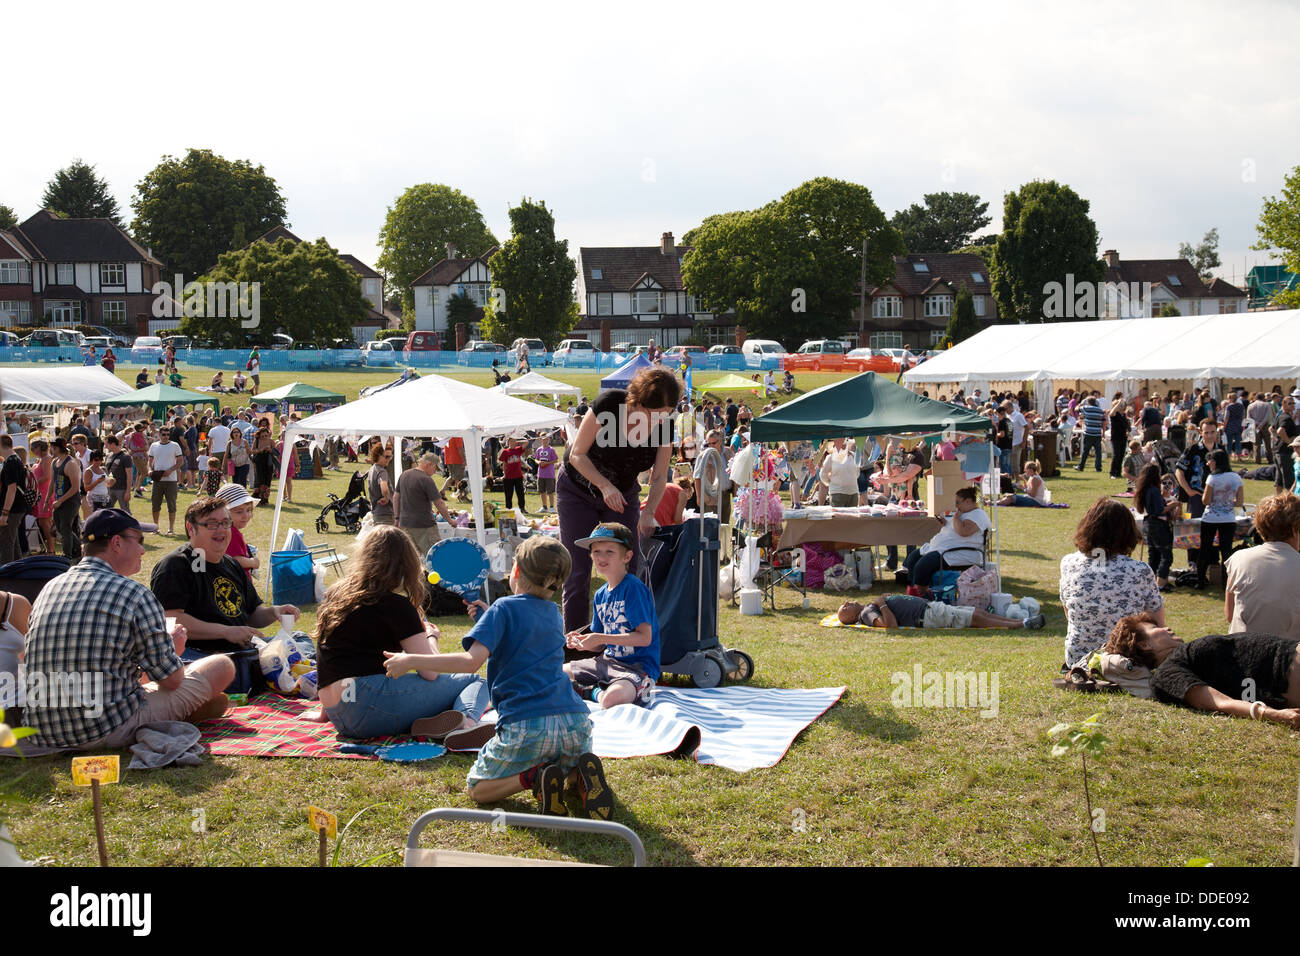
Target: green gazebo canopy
300, 393
159, 398
866, 404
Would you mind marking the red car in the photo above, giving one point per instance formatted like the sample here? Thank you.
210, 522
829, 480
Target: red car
819, 355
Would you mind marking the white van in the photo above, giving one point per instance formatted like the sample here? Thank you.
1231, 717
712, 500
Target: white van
755, 350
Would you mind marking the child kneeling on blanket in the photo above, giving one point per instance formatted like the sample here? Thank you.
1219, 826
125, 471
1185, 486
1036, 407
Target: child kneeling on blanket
900, 610
543, 731
623, 621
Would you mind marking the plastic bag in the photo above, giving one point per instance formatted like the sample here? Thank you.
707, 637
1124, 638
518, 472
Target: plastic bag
749, 564
278, 657
841, 577
741, 465
727, 580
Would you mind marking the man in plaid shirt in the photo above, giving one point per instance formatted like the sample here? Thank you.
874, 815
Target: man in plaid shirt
94, 632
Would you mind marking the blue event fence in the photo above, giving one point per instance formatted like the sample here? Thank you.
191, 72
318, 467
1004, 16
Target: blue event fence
315, 360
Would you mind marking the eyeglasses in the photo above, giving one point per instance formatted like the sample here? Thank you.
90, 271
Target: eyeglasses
216, 525
137, 538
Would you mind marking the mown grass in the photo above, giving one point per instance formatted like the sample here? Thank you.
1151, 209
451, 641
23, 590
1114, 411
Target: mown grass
872, 783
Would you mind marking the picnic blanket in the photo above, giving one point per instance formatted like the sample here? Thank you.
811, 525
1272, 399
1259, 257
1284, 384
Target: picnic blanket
832, 620
739, 728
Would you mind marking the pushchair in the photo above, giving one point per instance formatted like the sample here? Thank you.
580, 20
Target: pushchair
683, 577
348, 510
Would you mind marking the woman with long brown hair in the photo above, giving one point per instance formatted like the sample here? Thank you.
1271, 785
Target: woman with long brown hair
376, 608
262, 448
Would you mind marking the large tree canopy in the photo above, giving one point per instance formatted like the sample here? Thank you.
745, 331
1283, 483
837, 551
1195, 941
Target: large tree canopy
792, 267
535, 273
304, 289
191, 210
7, 217
945, 223
76, 192
1047, 240
417, 229
1279, 233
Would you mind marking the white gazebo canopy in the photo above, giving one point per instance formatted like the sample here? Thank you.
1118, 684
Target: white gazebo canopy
45, 388
535, 383
429, 406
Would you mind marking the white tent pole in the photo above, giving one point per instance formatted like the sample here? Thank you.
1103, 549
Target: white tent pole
474, 462
290, 435
997, 537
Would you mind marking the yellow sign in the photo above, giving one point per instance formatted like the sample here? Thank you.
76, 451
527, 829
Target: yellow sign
319, 819
85, 769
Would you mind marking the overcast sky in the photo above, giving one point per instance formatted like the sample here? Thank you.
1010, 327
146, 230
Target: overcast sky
633, 119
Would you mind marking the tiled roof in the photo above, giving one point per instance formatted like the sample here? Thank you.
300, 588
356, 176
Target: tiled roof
957, 269
623, 266
1158, 272
1223, 290
79, 240
359, 267
445, 272
276, 233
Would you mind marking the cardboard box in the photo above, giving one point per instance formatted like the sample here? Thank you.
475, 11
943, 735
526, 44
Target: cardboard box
947, 469
941, 494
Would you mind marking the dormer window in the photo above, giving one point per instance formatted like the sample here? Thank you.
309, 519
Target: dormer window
1173, 280
598, 273
977, 276
921, 267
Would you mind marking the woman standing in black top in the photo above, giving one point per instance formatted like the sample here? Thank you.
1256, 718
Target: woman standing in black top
1118, 436
623, 434
1149, 501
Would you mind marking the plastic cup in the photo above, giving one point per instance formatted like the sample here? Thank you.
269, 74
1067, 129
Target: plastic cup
286, 622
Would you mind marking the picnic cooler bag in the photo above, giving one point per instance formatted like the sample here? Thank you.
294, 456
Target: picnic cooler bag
293, 578
686, 600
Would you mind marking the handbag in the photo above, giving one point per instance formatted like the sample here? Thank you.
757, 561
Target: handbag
28, 492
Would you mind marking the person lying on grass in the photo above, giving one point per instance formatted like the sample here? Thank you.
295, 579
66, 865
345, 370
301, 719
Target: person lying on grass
901, 610
1035, 494
623, 622
542, 730
1242, 675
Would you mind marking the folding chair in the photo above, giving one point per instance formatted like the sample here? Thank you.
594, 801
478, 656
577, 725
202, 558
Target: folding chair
417, 856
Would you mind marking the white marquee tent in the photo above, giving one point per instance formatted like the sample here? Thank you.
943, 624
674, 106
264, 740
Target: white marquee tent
1251, 349
535, 383
42, 389
429, 406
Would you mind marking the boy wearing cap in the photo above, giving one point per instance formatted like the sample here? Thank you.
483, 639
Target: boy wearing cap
239, 505
623, 622
542, 729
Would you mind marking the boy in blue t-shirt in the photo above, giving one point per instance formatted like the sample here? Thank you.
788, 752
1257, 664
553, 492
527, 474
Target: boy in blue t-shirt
623, 621
543, 730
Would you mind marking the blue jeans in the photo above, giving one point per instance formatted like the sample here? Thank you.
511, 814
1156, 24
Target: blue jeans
923, 567
1027, 501
385, 705
1004, 460
1093, 442
1233, 439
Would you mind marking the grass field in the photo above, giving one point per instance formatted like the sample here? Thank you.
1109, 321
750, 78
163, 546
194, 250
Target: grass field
872, 783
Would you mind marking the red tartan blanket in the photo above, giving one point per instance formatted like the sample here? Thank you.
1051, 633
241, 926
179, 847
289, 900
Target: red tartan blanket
271, 726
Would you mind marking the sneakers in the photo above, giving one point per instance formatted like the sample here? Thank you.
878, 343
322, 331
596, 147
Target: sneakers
548, 788
438, 726
597, 800
472, 739
1035, 622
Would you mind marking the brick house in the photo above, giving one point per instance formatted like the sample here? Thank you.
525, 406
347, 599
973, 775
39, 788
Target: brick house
452, 275
1172, 281
68, 272
914, 307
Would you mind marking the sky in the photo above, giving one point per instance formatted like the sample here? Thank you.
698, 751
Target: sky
630, 120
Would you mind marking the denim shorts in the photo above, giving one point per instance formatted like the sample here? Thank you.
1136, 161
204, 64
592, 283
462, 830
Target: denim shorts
385, 705
523, 744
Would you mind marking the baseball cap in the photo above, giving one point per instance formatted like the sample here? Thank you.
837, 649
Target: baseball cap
107, 522
607, 531
235, 495
543, 561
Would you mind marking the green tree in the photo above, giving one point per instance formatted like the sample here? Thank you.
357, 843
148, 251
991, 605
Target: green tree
461, 308
535, 275
963, 323
7, 217
1168, 310
76, 192
1204, 257
1279, 233
191, 210
304, 290
945, 223
792, 266
417, 229
1047, 235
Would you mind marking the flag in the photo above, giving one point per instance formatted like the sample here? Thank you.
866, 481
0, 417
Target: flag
687, 379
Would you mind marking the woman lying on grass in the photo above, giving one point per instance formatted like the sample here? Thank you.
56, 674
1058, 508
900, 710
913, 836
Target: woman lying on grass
1242, 675
901, 610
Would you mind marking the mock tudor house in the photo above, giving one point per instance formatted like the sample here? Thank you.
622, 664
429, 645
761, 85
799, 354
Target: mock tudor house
1172, 281
68, 272
451, 276
631, 294
914, 307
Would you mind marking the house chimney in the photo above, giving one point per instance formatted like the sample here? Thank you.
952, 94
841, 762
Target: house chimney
451, 250
1111, 257
666, 244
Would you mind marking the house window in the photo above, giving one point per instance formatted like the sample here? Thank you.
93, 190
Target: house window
437, 296
112, 273
696, 306
936, 337
1226, 306
1173, 280
648, 301
978, 277
15, 313
938, 306
979, 305
63, 313
63, 273
886, 340
604, 303
887, 307
598, 273
921, 267
13, 271
115, 313
372, 286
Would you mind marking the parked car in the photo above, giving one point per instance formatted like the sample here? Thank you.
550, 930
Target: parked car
725, 350
535, 346
8, 339
575, 352
179, 342
101, 342
755, 350
380, 352
817, 356
478, 345
146, 349
626, 348
281, 341
896, 358
868, 360
673, 356
421, 342
119, 340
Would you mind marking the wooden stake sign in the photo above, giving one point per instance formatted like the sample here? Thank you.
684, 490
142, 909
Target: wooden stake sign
324, 823
92, 772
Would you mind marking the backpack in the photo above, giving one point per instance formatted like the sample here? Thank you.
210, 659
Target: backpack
26, 497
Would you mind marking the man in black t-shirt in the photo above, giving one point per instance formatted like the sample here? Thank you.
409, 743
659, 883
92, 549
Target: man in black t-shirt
1284, 430
733, 417
119, 467
206, 590
13, 479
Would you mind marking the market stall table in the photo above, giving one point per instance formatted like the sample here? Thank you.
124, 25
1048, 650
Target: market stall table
847, 532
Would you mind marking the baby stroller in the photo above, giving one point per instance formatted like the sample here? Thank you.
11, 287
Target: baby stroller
348, 510
683, 577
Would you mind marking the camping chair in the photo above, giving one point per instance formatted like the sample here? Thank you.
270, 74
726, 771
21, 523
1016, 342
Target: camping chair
416, 856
